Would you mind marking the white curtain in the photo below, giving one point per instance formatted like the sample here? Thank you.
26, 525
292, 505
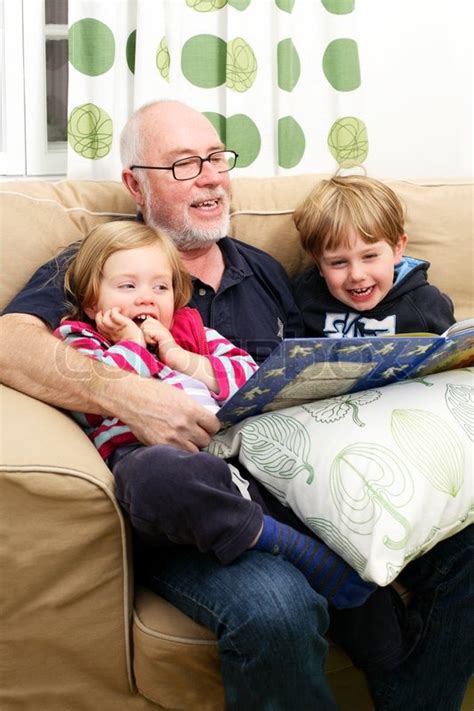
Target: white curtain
280, 79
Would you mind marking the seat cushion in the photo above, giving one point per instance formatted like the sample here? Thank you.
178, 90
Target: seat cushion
176, 661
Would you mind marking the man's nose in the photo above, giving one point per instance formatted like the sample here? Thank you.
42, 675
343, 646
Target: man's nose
208, 174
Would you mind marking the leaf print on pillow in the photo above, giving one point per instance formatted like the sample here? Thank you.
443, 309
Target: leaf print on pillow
429, 443
460, 402
338, 407
278, 445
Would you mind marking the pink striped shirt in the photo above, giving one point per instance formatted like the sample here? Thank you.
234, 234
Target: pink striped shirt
232, 368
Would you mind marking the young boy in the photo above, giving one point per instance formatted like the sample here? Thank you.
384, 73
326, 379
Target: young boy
361, 284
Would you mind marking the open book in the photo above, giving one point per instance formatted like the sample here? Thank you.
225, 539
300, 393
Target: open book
306, 369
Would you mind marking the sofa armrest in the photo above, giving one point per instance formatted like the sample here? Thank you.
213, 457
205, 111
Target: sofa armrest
66, 608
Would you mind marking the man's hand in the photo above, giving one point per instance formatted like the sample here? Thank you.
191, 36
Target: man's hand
158, 413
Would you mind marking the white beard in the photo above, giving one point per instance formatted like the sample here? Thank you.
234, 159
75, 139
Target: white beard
188, 237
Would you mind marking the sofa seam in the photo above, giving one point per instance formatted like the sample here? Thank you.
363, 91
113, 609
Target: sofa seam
168, 637
64, 208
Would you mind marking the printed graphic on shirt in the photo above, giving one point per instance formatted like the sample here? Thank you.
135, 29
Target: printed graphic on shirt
281, 329
352, 325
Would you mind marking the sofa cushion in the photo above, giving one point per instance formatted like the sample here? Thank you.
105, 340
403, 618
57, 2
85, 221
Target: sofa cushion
40, 218
176, 661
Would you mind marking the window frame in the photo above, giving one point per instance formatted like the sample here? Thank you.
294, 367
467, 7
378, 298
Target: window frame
27, 151
13, 149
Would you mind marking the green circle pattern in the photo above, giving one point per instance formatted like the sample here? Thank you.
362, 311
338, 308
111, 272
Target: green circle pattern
241, 65
203, 61
239, 4
288, 65
339, 7
130, 50
347, 141
91, 47
90, 131
206, 5
285, 5
239, 133
163, 59
291, 142
207, 61
341, 64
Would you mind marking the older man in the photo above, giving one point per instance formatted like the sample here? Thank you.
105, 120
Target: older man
269, 622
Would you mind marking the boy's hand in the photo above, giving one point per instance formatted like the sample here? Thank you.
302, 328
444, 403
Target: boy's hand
116, 327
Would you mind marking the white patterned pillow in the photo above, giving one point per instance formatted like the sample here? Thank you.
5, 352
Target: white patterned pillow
380, 475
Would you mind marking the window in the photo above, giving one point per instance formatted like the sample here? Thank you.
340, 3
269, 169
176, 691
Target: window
33, 108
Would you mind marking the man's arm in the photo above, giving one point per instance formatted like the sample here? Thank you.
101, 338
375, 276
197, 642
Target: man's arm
35, 362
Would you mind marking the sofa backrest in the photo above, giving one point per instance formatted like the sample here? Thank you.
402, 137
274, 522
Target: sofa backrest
38, 218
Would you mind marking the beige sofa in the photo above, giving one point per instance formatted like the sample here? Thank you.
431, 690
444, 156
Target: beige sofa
75, 633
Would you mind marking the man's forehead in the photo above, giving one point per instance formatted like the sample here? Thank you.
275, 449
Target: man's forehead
175, 134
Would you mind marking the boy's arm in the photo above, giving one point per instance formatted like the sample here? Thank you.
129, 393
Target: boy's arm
35, 362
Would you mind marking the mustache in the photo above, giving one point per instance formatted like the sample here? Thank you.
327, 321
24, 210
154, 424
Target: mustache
217, 193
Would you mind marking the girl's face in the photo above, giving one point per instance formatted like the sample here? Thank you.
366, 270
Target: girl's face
361, 275
140, 282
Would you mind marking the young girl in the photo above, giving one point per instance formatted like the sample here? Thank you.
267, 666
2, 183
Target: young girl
361, 284
129, 291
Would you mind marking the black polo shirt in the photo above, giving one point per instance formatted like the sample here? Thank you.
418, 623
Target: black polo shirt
253, 307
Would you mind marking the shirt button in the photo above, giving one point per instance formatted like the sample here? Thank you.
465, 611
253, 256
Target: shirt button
202, 292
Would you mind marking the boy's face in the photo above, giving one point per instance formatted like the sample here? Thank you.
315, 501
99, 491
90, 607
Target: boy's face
361, 275
140, 282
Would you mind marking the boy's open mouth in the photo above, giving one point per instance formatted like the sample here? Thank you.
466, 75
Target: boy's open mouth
362, 292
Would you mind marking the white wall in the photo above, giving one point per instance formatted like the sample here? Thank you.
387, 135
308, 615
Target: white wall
417, 86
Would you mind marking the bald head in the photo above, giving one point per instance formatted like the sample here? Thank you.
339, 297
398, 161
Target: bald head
160, 122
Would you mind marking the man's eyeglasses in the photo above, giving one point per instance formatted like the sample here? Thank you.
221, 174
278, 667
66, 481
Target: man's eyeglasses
191, 167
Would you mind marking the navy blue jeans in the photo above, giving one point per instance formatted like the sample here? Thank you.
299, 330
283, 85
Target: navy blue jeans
192, 531
269, 623
435, 676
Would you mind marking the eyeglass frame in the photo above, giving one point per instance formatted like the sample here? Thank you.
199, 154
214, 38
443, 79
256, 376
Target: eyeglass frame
182, 160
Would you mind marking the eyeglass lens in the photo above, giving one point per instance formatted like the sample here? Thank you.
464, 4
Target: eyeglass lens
191, 167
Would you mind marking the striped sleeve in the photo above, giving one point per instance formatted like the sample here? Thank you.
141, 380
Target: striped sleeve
126, 355
232, 366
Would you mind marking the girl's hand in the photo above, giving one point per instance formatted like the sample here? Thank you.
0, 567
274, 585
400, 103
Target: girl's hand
116, 327
158, 335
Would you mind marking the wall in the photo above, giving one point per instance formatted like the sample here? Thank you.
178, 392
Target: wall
417, 82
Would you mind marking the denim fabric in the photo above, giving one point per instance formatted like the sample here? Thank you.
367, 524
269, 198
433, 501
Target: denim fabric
435, 675
269, 622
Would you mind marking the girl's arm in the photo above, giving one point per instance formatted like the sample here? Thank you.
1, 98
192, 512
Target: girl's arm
223, 371
126, 354
232, 366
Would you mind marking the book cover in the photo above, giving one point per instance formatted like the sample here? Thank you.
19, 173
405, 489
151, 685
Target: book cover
303, 370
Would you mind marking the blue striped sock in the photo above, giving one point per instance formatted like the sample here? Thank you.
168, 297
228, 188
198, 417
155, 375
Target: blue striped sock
325, 571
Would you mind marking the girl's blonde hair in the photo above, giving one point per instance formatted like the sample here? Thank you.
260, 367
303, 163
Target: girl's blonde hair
84, 272
367, 205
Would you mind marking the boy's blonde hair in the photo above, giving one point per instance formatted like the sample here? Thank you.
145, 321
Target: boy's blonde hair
84, 272
367, 205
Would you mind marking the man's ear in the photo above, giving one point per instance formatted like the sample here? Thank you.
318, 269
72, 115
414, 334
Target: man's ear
400, 248
133, 186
